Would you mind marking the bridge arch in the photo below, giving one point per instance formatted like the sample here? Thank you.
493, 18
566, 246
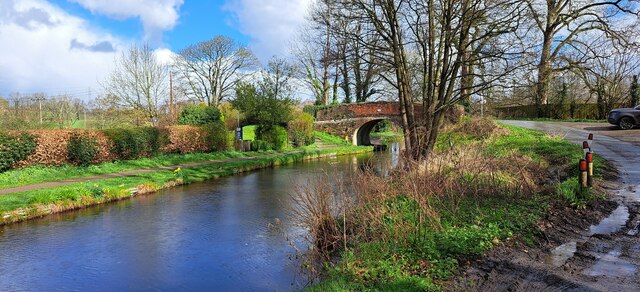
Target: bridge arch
354, 122
362, 134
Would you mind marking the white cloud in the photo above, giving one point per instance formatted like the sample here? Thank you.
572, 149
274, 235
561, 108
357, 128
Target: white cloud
157, 16
270, 23
43, 48
164, 56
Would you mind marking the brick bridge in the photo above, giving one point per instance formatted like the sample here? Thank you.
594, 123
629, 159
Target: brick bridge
355, 121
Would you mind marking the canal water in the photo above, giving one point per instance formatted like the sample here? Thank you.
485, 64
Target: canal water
232, 233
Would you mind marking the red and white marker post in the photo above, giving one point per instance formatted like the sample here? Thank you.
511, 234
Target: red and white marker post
583, 173
589, 159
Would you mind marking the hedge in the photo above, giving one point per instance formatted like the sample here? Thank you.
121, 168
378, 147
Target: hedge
14, 148
134, 143
82, 149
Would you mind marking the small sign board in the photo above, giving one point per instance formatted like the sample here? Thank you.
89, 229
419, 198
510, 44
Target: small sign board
239, 133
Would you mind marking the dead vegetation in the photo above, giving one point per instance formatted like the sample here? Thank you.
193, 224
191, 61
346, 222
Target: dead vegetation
340, 212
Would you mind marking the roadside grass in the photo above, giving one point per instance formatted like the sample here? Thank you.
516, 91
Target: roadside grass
25, 205
424, 262
411, 235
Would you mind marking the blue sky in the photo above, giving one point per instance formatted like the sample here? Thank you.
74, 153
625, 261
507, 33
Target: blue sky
199, 20
68, 46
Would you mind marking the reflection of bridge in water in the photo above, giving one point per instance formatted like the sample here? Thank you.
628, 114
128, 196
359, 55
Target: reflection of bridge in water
355, 121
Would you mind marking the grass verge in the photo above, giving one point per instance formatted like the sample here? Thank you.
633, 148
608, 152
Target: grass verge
22, 206
40, 174
486, 185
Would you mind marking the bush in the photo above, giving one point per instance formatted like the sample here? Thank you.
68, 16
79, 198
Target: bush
199, 115
14, 148
301, 130
259, 145
275, 136
218, 136
134, 143
82, 150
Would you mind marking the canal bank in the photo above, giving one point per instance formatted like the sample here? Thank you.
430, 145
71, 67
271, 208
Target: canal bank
41, 200
234, 233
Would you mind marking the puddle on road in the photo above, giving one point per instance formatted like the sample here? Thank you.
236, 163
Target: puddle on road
611, 265
562, 253
613, 223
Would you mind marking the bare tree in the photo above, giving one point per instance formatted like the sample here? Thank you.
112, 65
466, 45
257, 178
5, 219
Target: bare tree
608, 77
316, 64
563, 23
211, 69
64, 111
139, 81
420, 44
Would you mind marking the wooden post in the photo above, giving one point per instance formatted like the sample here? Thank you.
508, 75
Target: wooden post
589, 159
583, 173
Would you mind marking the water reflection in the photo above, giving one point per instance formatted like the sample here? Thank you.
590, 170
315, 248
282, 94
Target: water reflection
203, 236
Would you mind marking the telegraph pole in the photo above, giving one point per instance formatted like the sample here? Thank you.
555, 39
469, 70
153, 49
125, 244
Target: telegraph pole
39, 97
171, 93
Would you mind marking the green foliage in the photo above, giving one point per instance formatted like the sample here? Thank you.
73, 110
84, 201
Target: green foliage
382, 126
218, 136
261, 108
133, 143
331, 139
14, 148
571, 191
259, 145
269, 101
82, 149
276, 137
301, 130
418, 262
249, 132
199, 115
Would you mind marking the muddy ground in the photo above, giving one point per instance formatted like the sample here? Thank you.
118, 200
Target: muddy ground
594, 249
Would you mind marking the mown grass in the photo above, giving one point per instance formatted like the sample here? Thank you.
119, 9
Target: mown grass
100, 191
412, 253
40, 174
331, 139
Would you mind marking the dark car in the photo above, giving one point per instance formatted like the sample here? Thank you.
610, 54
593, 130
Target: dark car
625, 118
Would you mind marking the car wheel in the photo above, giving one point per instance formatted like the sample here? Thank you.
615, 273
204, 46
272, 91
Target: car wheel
626, 123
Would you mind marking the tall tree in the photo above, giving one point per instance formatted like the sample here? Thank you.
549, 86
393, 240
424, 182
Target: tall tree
562, 24
211, 69
420, 45
268, 102
139, 81
607, 77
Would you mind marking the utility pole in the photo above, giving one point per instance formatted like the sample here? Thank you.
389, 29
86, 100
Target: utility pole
39, 97
171, 94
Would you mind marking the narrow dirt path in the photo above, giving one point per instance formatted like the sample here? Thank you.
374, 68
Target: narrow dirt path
582, 253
